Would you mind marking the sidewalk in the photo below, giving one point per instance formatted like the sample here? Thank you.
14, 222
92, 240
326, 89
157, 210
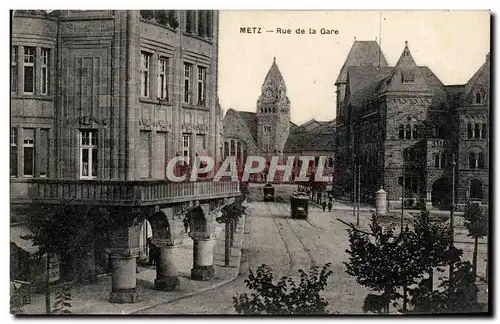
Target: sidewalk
93, 298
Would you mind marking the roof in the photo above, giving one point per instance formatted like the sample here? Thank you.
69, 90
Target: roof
320, 138
274, 78
362, 53
17, 234
363, 81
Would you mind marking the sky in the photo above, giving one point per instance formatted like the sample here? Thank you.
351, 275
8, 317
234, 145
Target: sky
453, 44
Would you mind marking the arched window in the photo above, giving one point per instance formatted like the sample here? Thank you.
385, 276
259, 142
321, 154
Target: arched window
472, 161
238, 149
408, 132
226, 149
478, 97
476, 189
470, 131
401, 131
330, 162
484, 131
233, 148
481, 162
477, 130
202, 23
414, 133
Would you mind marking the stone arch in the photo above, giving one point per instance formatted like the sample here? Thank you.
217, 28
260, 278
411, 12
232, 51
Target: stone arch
160, 225
198, 221
476, 189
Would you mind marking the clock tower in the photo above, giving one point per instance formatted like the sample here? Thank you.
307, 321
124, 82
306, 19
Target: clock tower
273, 114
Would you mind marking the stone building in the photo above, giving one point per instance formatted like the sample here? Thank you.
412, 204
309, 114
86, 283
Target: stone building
101, 100
270, 132
402, 121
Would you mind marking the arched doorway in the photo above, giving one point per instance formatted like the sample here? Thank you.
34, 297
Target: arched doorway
476, 189
440, 193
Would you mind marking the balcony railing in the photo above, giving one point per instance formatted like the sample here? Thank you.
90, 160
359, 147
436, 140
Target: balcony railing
112, 192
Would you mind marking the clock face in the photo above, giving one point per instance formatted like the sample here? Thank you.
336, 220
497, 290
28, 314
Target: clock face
269, 93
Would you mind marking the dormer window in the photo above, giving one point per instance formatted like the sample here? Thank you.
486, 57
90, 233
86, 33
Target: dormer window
407, 77
478, 98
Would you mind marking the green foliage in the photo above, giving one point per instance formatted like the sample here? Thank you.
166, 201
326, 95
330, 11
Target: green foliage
62, 304
476, 220
232, 211
387, 262
286, 297
458, 295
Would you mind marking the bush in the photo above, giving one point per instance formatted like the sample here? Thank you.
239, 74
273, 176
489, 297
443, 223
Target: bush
286, 297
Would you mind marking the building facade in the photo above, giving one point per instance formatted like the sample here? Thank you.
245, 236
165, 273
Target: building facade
270, 132
405, 129
101, 100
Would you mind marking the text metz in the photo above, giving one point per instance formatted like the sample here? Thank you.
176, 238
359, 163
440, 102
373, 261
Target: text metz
250, 30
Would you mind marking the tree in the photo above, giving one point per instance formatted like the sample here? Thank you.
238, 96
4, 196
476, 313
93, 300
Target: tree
230, 214
286, 297
383, 262
455, 295
476, 222
433, 242
388, 263
62, 229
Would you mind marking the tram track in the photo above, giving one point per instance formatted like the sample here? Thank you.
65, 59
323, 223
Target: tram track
288, 222
280, 232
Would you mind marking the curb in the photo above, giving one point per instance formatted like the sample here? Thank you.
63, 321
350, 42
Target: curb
222, 283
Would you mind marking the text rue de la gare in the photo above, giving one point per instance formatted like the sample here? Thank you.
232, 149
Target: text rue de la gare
289, 31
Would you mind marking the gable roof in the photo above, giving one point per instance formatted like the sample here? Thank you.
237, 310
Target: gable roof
362, 53
320, 138
405, 70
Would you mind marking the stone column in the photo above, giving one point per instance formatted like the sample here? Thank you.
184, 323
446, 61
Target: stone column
123, 255
202, 225
203, 259
124, 280
167, 275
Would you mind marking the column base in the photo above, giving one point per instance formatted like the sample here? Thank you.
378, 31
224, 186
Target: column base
169, 283
202, 273
124, 296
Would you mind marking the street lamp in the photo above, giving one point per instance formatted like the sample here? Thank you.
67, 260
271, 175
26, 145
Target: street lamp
452, 211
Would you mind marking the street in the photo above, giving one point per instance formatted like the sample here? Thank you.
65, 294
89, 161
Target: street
287, 245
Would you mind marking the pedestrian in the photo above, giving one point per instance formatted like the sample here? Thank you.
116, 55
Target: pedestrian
323, 204
152, 252
186, 224
330, 203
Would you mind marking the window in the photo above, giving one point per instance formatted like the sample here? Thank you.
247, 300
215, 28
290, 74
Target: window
29, 70
13, 69
480, 162
163, 78
13, 152
476, 189
201, 81
408, 77
330, 162
408, 132
190, 16
29, 152
478, 99
187, 82
44, 72
401, 131
88, 154
267, 129
414, 134
484, 131
226, 149
145, 74
186, 145
233, 148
